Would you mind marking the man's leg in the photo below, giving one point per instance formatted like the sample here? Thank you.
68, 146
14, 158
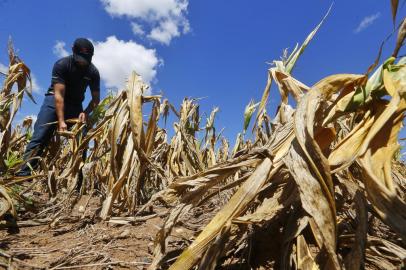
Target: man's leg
42, 134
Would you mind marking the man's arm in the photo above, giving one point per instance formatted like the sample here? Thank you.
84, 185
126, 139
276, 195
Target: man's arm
59, 89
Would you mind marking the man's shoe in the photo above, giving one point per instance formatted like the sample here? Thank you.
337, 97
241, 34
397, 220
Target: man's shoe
23, 174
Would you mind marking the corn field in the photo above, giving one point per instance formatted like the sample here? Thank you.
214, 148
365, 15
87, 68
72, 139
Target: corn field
318, 185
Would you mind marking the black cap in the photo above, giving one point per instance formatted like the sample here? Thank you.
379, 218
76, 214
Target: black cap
83, 50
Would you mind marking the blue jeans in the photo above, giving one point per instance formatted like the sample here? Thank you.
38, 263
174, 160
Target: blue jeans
42, 132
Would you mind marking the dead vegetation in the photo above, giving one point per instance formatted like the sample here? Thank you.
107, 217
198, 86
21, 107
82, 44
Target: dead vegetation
317, 186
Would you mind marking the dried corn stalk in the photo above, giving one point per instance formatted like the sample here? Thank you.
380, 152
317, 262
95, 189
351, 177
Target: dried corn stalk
335, 143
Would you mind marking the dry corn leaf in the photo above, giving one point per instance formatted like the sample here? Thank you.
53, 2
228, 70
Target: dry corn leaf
355, 259
237, 203
305, 260
394, 8
6, 204
134, 89
401, 37
376, 165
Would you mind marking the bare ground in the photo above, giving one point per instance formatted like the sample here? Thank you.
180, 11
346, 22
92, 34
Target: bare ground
79, 241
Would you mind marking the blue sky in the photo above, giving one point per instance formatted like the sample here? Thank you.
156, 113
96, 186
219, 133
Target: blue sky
214, 49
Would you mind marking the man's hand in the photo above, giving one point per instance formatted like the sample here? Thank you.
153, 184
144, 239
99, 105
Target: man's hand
62, 127
82, 117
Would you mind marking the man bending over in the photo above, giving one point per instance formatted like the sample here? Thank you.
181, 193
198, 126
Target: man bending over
71, 76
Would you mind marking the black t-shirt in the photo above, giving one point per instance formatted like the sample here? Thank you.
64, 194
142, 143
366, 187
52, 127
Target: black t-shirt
75, 79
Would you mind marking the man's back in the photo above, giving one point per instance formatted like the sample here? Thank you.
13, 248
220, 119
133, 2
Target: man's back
75, 79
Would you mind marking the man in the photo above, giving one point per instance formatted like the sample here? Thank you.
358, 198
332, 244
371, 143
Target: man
71, 76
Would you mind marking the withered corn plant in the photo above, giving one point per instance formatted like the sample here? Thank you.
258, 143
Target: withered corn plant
17, 81
318, 188
128, 158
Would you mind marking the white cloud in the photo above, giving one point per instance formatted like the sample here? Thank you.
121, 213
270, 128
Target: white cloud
3, 71
164, 32
145, 9
3, 68
165, 18
137, 29
59, 49
366, 22
116, 59
36, 88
